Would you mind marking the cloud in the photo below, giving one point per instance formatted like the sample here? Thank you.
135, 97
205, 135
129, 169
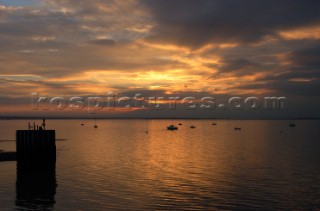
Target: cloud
306, 58
80, 47
103, 42
299, 74
288, 88
301, 64
60, 38
237, 67
195, 23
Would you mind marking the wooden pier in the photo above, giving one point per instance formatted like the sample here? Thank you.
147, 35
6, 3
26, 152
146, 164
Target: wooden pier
36, 146
36, 167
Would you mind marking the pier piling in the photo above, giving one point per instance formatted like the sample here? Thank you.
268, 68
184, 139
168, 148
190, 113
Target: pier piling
36, 146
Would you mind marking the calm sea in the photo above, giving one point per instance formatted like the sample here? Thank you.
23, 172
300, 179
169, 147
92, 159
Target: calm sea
139, 165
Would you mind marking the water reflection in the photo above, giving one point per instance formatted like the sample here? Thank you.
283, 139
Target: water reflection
120, 167
35, 187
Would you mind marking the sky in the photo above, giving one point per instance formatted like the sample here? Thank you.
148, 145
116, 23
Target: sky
180, 48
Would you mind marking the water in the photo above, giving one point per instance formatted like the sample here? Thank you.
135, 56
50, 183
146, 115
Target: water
120, 166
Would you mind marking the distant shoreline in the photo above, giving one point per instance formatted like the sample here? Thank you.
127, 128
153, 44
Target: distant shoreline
136, 118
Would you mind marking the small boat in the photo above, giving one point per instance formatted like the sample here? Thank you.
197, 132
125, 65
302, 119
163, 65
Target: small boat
172, 127
82, 124
237, 128
95, 123
292, 125
192, 126
214, 123
180, 123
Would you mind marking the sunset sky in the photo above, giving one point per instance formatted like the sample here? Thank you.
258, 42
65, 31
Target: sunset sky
219, 48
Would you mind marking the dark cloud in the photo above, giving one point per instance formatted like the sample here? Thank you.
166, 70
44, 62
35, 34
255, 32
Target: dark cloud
195, 23
292, 75
299, 76
237, 67
26, 22
300, 64
103, 42
290, 88
15, 101
306, 58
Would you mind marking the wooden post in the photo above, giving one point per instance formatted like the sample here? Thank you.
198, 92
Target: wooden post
36, 147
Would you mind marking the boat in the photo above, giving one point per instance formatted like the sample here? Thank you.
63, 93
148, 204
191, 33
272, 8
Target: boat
237, 128
192, 126
172, 127
180, 123
291, 123
214, 123
82, 124
95, 125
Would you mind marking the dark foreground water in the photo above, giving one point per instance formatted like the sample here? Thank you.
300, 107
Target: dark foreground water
139, 165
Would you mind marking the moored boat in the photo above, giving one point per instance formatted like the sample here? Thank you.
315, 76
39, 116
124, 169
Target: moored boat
172, 127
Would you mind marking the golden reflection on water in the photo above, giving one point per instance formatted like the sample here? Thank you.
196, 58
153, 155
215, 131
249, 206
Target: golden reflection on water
140, 164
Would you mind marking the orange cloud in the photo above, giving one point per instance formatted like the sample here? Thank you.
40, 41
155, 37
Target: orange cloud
312, 32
